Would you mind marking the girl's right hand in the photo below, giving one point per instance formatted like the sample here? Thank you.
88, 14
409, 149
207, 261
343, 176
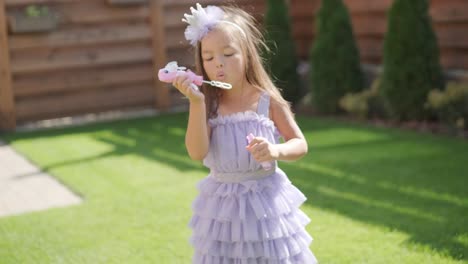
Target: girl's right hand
182, 83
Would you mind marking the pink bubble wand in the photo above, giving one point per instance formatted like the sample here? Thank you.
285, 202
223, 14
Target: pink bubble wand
168, 74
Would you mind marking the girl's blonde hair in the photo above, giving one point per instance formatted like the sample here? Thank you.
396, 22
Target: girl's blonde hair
251, 42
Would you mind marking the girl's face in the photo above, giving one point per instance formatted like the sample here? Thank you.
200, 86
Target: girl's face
222, 58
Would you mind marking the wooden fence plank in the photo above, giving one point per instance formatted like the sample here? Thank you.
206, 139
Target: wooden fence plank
368, 6
369, 25
452, 11
303, 9
7, 104
370, 48
174, 38
113, 34
56, 59
452, 35
98, 12
73, 13
89, 101
183, 56
74, 81
161, 89
28, 2
453, 59
303, 29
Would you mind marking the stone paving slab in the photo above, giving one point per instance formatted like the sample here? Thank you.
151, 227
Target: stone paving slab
25, 188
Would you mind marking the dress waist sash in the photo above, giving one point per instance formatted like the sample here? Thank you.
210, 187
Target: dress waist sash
235, 177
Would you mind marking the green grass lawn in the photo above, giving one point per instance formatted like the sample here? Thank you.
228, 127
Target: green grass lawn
374, 195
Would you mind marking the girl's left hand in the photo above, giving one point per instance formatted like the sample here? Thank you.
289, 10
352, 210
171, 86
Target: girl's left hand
262, 150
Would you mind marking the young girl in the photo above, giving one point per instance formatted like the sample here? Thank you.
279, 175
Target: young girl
247, 210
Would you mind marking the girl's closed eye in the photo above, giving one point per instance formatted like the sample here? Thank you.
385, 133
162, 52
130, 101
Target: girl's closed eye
208, 59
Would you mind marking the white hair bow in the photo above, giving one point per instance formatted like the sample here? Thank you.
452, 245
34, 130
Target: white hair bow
201, 21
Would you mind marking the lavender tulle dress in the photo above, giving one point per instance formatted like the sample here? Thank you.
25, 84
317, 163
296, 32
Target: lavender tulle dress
244, 214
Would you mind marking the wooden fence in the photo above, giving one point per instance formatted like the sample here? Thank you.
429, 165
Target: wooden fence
369, 19
100, 56
103, 56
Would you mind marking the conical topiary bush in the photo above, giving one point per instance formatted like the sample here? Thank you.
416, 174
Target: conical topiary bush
281, 62
335, 64
411, 60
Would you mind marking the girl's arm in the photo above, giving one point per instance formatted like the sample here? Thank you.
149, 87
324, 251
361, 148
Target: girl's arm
295, 145
197, 134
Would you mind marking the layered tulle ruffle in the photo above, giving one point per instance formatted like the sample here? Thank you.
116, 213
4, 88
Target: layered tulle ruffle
250, 222
303, 257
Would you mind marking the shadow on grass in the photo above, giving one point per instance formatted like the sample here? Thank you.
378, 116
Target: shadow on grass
404, 181
158, 138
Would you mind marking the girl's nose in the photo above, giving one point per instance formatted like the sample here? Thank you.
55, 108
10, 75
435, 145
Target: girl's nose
219, 62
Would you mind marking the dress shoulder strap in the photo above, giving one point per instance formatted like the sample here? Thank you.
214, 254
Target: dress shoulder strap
263, 106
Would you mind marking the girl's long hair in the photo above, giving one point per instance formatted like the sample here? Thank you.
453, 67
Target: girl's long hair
251, 44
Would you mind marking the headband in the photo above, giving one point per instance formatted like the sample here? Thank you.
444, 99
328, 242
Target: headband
202, 20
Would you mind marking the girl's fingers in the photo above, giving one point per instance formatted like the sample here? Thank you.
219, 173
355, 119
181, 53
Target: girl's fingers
260, 157
262, 154
256, 140
258, 151
179, 80
182, 83
186, 84
252, 147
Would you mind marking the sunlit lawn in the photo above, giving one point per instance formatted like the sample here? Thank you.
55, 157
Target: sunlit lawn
374, 195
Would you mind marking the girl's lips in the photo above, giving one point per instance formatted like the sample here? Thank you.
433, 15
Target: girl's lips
220, 76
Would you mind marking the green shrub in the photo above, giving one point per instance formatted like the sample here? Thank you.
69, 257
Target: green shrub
451, 104
335, 65
282, 61
411, 60
364, 104
36, 11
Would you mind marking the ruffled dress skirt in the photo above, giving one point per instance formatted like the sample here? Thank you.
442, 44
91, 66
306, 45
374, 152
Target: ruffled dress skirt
243, 213
250, 222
